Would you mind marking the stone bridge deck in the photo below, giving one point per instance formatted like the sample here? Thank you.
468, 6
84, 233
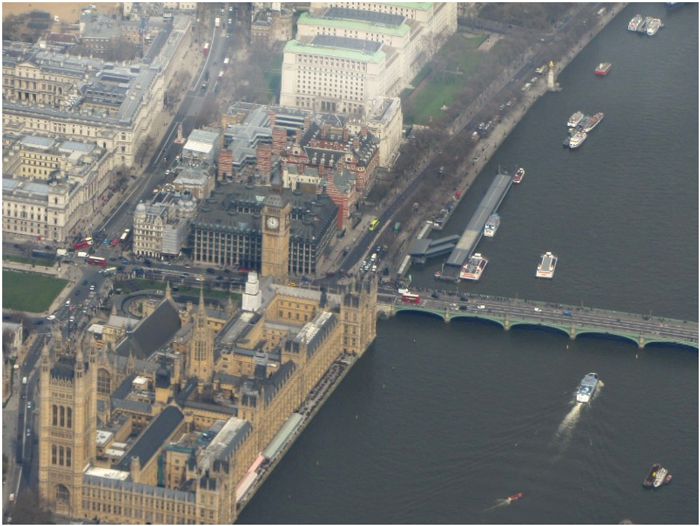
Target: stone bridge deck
510, 312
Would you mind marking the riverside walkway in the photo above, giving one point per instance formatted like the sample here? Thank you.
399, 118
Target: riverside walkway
573, 321
475, 228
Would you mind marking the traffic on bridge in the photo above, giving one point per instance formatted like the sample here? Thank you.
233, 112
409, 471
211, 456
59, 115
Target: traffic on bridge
508, 312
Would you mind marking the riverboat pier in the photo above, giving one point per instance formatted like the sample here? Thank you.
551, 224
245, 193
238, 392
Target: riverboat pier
475, 228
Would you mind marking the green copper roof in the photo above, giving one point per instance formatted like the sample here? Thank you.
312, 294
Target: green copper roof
420, 6
310, 20
294, 46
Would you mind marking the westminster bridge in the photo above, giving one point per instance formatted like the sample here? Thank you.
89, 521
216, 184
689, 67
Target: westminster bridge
572, 321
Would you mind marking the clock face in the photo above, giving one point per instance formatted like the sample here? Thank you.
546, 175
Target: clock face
273, 223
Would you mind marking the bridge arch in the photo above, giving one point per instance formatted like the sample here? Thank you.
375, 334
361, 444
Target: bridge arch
419, 312
559, 329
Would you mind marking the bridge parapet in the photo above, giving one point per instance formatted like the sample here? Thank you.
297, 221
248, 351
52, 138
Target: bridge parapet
572, 321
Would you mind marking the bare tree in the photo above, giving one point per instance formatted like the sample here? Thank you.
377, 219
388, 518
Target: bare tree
145, 148
29, 509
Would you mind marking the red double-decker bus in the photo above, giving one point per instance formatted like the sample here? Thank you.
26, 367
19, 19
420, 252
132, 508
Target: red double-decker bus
83, 244
97, 261
409, 297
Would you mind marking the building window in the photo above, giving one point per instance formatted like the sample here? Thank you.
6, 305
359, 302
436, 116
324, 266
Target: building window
55, 415
54, 451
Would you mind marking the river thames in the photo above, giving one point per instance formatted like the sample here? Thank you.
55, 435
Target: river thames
437, 422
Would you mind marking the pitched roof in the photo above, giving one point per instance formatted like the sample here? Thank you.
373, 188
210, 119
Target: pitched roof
151, 440
153, 332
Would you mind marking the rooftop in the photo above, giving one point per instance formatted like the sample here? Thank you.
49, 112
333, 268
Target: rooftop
328, 48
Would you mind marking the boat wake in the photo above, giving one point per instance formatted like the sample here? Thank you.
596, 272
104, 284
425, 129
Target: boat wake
565, 431
499, 504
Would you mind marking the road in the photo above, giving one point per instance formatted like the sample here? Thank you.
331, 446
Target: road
544, 313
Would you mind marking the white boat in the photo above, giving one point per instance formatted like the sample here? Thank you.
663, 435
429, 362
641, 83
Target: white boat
634, 23
660, 477
546, 266
587, 388
592, 122
473, 268
492, 225
575, 119
577, 139
654, 26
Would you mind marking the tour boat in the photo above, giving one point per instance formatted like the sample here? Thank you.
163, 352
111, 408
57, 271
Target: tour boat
654, 26
657, 477
603, 68
519, 175
575, 119
492, 225
592, 122
547, 266
515, 497
473, 268
634, 23
577, 139
587, 388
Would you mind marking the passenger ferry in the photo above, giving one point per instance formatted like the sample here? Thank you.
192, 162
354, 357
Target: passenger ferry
577, 139
654, 26
547, 265
603, 68
658, 476
473, 268
592, 122
575, 119
634, 23
519, 175
587, 388
492, 225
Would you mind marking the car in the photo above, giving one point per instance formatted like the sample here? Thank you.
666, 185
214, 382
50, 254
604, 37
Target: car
85, 282
199, 278
435, 295
71, 319
51, 317
537, 309
39, 322
211, 271
92, 287
133, 176
29, 405
84, 310
481, 307
566, 313
77, 292
29, 432
227, 271
67, 303
462, 307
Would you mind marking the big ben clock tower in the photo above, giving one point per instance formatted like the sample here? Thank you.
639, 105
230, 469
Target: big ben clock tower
276, 223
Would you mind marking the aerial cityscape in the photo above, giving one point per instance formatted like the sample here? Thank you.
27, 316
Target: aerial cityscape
350, 262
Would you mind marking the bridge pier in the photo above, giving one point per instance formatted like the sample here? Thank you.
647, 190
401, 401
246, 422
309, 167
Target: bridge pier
572, 332
447, 315
641, 341
506, 323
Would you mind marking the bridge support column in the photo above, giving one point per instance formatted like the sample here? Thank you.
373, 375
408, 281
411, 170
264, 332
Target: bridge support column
447, 316
572, 332
641, 341
506, 323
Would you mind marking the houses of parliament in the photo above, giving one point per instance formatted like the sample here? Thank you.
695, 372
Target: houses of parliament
168, 422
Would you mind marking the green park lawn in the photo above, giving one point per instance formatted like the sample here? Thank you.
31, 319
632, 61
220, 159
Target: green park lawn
441, 87
29, 292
